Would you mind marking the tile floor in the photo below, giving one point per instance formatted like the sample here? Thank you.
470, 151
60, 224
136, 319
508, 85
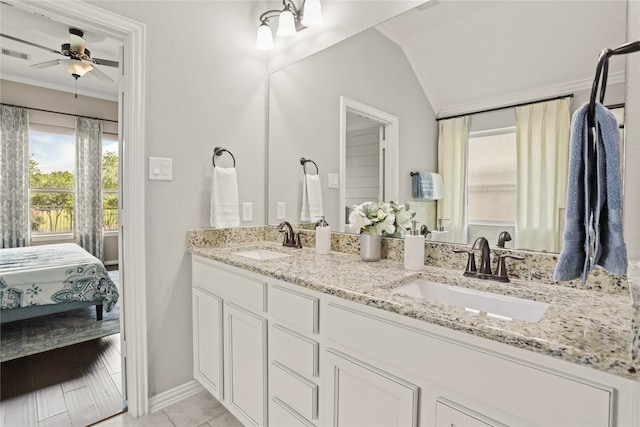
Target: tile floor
199, 410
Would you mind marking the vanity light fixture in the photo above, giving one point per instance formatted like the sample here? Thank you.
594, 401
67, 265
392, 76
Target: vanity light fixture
291, 20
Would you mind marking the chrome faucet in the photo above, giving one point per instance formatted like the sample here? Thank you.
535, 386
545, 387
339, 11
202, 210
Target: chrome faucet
482, 244
291, 238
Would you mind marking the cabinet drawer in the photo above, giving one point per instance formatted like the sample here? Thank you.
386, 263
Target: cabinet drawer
294, 308
294, 350
298, 393
282, 416
449, 414
220, 281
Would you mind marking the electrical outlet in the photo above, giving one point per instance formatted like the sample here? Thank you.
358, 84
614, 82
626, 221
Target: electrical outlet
247, 211
281, 212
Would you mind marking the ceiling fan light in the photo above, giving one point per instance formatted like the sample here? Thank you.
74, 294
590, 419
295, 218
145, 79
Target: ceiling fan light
312, 13
264, 38
76, 67
286, 25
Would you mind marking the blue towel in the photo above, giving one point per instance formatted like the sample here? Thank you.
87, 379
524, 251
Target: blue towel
593, 229
426, 185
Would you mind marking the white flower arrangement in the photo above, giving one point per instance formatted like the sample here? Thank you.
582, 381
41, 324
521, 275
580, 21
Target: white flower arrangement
379, 217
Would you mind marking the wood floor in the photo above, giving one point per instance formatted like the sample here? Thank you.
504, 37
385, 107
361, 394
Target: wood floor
71, 386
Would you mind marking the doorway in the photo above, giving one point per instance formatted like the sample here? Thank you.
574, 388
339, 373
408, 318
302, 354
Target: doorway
369, 159
131, 193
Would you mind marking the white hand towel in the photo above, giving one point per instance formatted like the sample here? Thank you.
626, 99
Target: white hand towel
311, 198
225, 209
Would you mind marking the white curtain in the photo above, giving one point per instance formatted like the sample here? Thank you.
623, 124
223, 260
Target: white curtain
452, 165
542, 131
15, 226
88, 195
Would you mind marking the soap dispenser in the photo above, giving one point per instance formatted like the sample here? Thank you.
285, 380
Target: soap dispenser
323, 237
414, 249
440, 235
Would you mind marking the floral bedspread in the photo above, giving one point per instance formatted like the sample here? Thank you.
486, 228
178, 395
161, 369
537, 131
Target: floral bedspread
52, 274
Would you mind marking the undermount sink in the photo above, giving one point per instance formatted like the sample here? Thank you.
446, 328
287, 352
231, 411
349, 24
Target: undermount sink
261, 254
493, 305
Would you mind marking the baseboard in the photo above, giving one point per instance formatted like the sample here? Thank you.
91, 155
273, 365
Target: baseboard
114, 262
174, 395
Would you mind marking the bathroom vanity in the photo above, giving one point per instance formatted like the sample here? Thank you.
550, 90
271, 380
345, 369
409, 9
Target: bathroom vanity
285, 337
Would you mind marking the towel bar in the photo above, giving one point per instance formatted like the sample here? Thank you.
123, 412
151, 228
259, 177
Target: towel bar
304, 162
218, 152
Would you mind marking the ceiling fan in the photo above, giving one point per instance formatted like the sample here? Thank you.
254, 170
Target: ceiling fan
77, 58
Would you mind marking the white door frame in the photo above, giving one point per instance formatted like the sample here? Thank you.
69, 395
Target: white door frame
392, 126
133, 323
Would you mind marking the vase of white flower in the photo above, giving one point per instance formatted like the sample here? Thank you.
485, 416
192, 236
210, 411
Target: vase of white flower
375, 218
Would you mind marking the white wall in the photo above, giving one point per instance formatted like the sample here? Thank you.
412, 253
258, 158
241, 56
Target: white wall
304, 116
205, 86
62, 102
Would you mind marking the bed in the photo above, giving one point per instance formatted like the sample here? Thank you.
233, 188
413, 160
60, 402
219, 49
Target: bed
40, 280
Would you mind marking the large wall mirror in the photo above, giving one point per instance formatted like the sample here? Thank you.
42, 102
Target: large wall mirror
440, 59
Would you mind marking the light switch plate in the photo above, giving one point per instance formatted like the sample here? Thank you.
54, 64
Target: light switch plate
247, 211
333, 180
160, 169
281, 212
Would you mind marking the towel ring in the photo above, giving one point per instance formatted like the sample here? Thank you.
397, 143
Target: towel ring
602, 69
304, 162
218, 152
413, 173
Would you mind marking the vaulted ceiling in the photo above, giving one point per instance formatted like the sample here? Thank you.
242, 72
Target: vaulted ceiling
475, 54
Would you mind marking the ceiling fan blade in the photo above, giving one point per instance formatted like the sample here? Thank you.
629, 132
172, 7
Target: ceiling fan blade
30, 44
100, 75
77, 42
105, 62
46, 64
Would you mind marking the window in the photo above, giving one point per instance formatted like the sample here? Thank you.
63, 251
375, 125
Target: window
109, 182
52, 179
492, 177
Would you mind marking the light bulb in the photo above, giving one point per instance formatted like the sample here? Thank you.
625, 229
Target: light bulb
264, 38
312, 13
287, 25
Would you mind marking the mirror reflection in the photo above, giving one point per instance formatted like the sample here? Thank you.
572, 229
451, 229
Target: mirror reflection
447, 59
368, 157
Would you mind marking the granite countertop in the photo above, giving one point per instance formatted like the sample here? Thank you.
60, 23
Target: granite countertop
586, 327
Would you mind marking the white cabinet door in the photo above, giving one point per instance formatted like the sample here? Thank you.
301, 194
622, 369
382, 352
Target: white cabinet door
246, 360
207, 341
362, 395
